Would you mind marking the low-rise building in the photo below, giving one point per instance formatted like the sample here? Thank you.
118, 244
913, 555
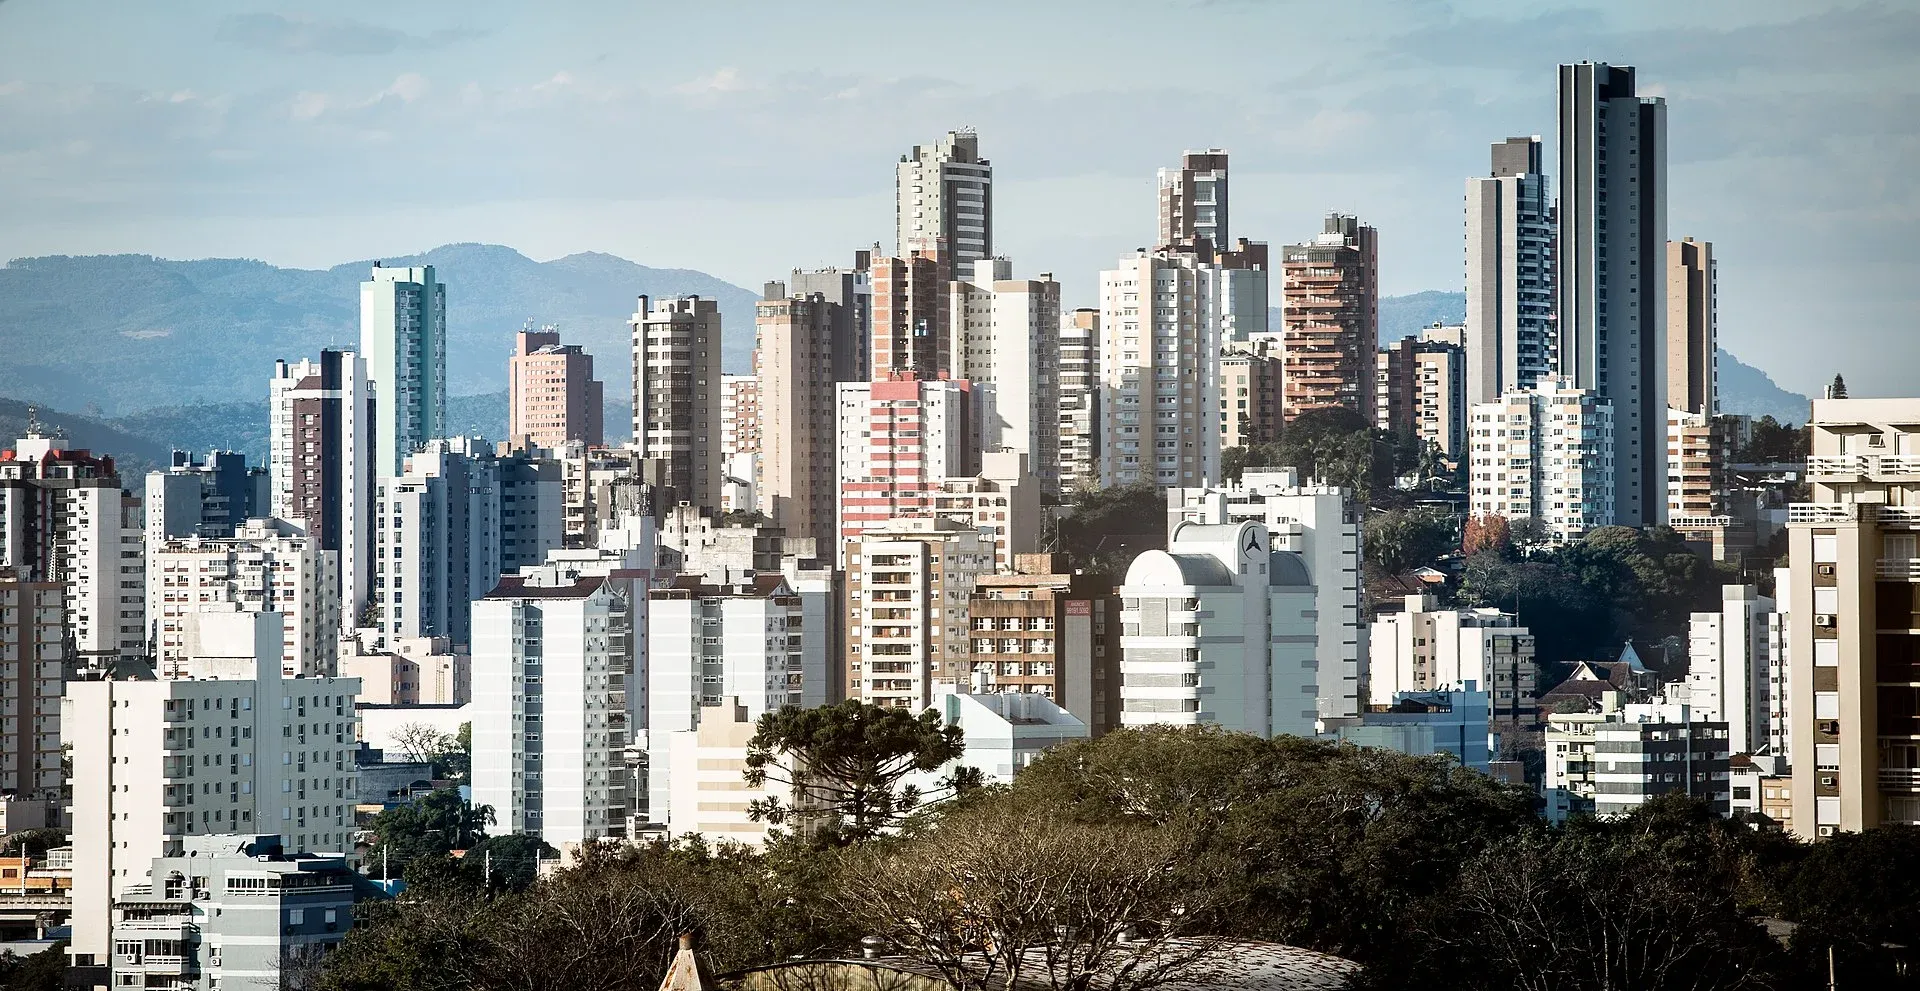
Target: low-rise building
1454, 722
407, 670
1425, 648
1614, 760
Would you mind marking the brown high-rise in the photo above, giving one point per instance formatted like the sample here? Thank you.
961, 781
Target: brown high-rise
1048, 630
1331, 319
910, 322
1193, 201
795, 355
552, 396
1691, 382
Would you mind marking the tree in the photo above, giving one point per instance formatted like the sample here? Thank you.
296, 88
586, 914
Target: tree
32, 842
438, 822
510, 862
1486, 532
1001, 893
1858, 894
1402, 539
1107, 528
423, 743
1527, 533
42, 971
845, 764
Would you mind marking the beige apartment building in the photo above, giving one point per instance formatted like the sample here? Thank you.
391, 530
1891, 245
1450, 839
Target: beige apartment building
1853, 669
552, 396
794, 360
1692, 290
1046, 630
676, 394
1421, 388
908, 586
1250, 384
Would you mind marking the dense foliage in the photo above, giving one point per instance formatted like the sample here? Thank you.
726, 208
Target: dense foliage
42, 971
1105, 529
851, 760
1773, 442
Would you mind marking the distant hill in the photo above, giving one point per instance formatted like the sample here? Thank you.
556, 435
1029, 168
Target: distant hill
1748, 391
125, 333
133, 454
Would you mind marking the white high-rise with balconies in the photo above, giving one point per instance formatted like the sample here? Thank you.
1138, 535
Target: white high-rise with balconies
944, 197
1510, 338
1545, 455
1727, 666
403, 337
268, 565
1006, 340
1161, 320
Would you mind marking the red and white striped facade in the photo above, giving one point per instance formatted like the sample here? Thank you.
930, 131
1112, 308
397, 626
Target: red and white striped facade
898, 441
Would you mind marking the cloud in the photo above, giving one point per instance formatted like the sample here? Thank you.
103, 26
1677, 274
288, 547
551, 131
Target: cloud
725, 80
307, 36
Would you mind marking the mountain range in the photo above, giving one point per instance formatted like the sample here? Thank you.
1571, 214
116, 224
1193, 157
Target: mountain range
177, 353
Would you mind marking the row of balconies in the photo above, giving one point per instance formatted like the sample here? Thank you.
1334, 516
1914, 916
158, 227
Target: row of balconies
1865, 464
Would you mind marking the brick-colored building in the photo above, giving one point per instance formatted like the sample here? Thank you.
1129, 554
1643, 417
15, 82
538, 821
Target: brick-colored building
552, 396
1047, 630
1331, 318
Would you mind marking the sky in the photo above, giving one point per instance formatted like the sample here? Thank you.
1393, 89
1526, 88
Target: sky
747, 138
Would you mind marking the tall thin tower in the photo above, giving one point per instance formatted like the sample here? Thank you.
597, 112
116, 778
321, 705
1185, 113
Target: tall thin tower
403, 337
945, 198
1510, 338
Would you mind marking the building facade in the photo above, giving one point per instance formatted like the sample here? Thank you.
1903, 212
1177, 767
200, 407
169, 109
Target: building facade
1545, 455
35, 666
1424, 648
552, 396
676, 394
65, 519
1693, 281
403, 339
944, 192
1421, 390
204, 499
899, 442
1160, 339
324, 464
801, 341
1005, 340
1193, 201
1511, 341
268, 565
1250, 396
1044, 630
1079, 413
909, 583
1727, 663
1330, 298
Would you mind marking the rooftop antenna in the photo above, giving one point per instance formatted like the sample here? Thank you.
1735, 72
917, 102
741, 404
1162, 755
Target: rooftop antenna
33, 421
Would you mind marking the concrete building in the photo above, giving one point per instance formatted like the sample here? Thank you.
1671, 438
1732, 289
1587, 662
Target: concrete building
709, 795
910, 335
898, 442
230, 911
1421, 390
35, 666
1455, 722
548, 746
403, 339
740, 416
801, 342
1545, 454
231, 745
1219, 630
1424, 648
909, 583
268, 565
406, 671
1693, 377
849, 294
1727, 666
1193, 201
1005, 339
676, 394
1002, 502
323, 462
1004, 733
1780, 671
600, 488
1250, 390
944, 192
204, 499
1511, 342
1696, 472
1614, 760
1161, 318
1079, 400
1330, 298
1320, 524
65, 519
1045, 630
1853, 707
1611, 257
552, 396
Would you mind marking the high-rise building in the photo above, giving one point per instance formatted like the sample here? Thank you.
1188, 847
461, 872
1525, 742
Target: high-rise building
1510, 337
1002, 501
1045, 630
1079, 413
1545, 455
740, 429
1330, 298
1193, 201
1611, 256
850, 292
1693, 377
65, 519
548, 750
798, 355
323, 462
676, 394
207, 499
944, 193
1320, 524
35, 667
1421, 390
1853, 709
910, 323
552, 396
899, 440
148, 754
1005, 339
908, 586
1425, 648
1161, 319
403, 339
268, 565
1250, 386
1696, 467
1727, 666
1218, 629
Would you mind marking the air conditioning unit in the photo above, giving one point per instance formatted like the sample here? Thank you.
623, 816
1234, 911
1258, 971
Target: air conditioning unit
1830, 727
1830, 780
1824, 570
1824, 620
1826, 830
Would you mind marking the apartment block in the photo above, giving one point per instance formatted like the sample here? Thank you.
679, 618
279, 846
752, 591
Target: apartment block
1079, 414
230, 746
268, 565
1696, 469
676, 394
35, 666
1330, 297
323, 462
1727, 663
909, 583
1193, 201
1423, 648
1421, 389
600, 487
1510, 338
801, 341
1614, 760
898, 442
1219, 630
407, 671
1250, 396
1002, 502
1455, 721
204, 499
1853, 693
910, 333
1693, 379
944, 192
552, 396
1161, 318
1546, 455
1044, 630
709, 794
849, 293
403, 339
1005, 340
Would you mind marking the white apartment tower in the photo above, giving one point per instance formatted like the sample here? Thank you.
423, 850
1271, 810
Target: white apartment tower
1159, 396
944, 195
231, 746
1321, 525
1218, 629
268, 565
1006, 341
1510, 338
323, 462
1546, 455
1079, 411
676, 394
908, 586
1611, 258
1424, 648
1727, 666
403, 339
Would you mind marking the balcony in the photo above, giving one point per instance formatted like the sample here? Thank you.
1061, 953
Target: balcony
1900, 779
1821, 512
1898, 568
1898, 516
1885, 465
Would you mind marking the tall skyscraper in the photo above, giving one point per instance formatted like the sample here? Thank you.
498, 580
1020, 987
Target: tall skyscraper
552, 396
945, 195
851, 292
1693, 379
324, 464
800, 342
1079, 456
1193, 201
1511, 341
676, 394
1331, 318
403, 338
1613, 233
1006, 341
910, 319
1160, 333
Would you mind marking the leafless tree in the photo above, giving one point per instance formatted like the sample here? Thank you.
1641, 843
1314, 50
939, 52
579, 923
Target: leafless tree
422, 742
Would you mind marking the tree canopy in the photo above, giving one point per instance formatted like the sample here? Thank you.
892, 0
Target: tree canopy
848, 763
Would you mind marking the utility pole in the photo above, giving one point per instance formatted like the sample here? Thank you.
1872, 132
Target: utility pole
486, 870
383, 862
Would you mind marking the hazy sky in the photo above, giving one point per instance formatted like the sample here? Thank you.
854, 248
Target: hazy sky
746, 138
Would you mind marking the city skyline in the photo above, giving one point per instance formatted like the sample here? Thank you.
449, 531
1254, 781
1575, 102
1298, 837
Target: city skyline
274, 144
